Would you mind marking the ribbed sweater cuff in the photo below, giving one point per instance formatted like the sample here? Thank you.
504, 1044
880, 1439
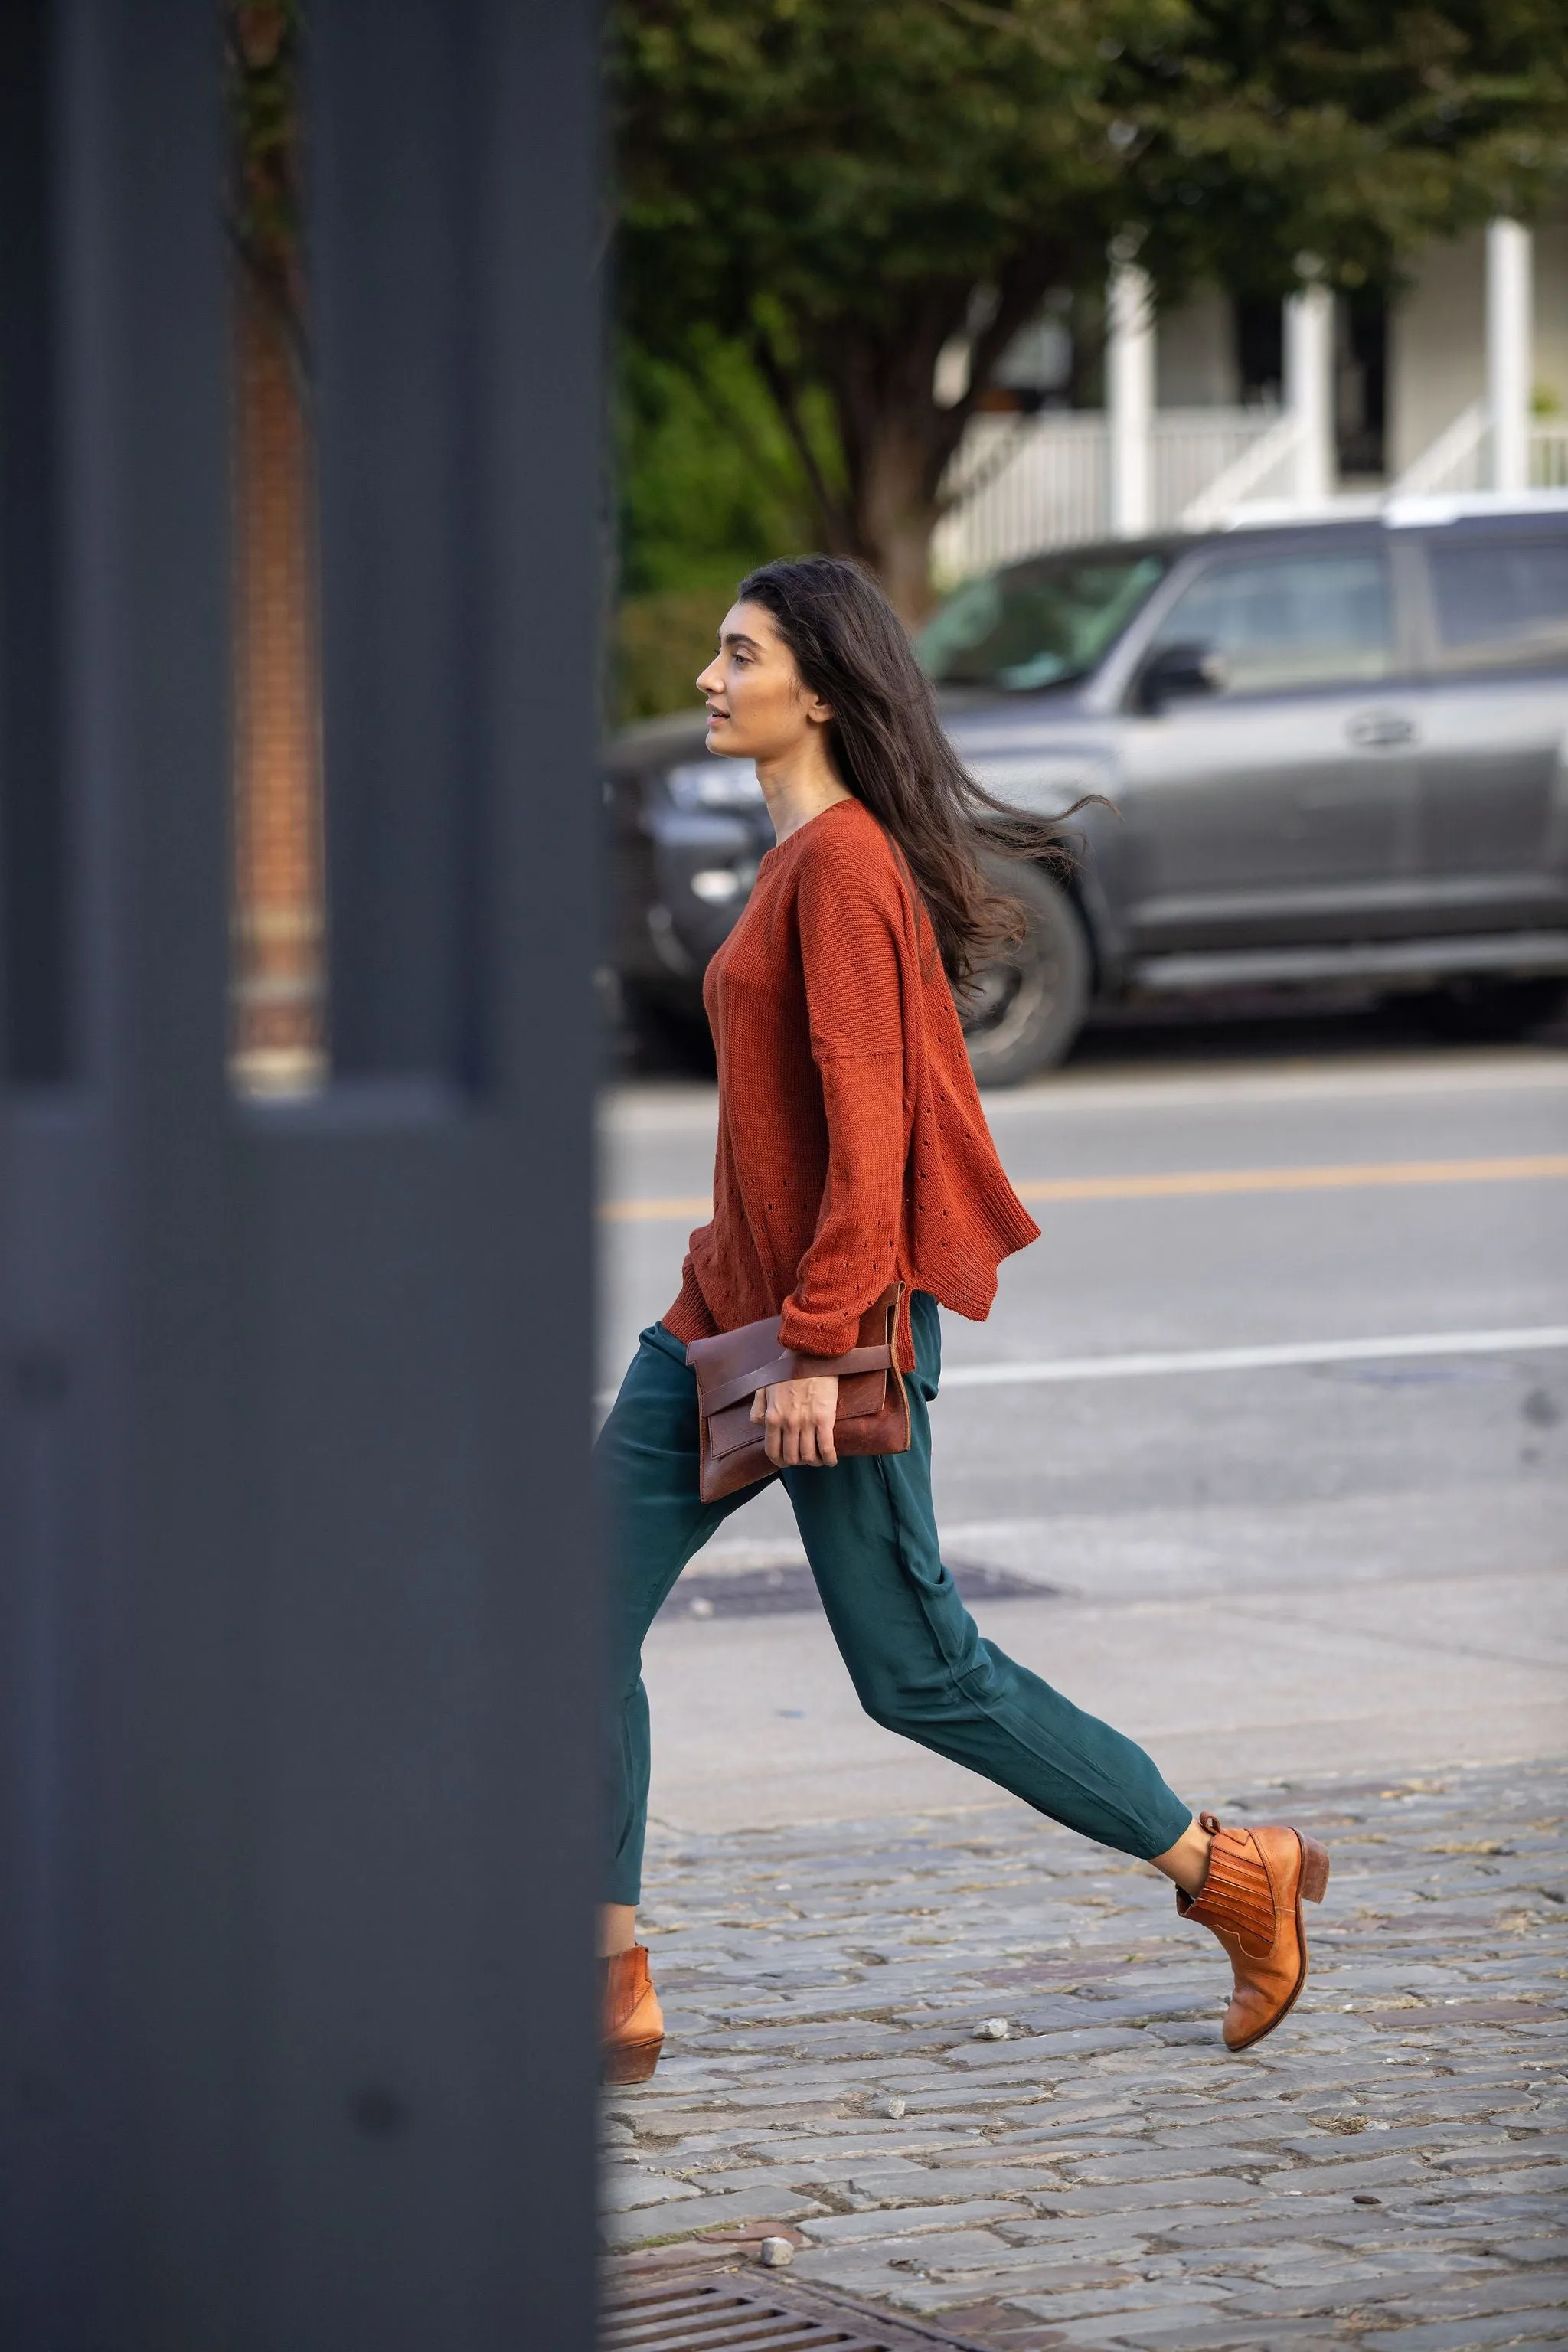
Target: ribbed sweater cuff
817, 1334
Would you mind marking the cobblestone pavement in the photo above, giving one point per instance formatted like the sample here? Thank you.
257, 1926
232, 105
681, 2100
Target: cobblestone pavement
1385, 2170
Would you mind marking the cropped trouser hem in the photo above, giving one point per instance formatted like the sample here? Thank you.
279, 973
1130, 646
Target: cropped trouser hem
919, 1663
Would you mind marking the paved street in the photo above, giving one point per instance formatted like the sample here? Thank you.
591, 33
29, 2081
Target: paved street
1350, 1564
1263, 1455
1385, 2170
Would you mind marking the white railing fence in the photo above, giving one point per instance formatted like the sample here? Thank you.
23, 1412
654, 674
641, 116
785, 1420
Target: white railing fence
1461, 457
1195, 447
1020, 485
1457, 460
1265, 469
1549, 453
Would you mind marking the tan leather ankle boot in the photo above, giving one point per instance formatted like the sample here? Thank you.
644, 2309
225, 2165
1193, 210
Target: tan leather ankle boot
1252, 1900
632, 2022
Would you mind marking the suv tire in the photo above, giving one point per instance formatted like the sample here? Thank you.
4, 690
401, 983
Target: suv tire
660, 1039
1495, 1011
1027, 1008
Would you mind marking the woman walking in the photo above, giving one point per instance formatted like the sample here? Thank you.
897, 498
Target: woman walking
854, 1166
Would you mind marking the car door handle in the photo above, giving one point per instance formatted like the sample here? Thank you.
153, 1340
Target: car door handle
1380, 730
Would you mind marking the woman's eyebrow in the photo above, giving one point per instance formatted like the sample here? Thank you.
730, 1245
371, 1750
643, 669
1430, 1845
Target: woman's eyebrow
738, 637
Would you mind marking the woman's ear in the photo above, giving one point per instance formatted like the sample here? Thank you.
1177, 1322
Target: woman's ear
818, 712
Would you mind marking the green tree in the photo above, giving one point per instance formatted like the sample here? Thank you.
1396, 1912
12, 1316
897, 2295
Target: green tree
841, 191
262, 45
707, 485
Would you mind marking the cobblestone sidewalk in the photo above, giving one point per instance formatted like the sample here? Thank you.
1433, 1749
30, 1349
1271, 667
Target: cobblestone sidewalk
1385, 2170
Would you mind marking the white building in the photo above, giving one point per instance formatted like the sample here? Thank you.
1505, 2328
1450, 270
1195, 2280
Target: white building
1213, 409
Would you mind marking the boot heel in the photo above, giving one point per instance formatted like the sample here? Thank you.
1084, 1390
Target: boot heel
1314, 1869
630, 2062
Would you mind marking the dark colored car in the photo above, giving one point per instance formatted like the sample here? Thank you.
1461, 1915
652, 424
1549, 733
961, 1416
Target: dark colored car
1334, 750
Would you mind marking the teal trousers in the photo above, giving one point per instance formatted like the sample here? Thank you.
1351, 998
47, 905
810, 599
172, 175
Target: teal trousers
917, 1660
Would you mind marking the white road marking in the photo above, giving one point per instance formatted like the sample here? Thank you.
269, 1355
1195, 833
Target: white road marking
1158, 1087
1270, 1356
1263, 1358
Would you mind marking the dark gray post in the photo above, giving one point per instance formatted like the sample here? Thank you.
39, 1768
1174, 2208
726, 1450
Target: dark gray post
299, 1709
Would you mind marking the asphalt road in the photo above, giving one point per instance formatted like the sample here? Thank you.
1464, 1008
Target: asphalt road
1268, 1433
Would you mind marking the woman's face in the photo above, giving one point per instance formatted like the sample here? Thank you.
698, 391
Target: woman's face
758, 706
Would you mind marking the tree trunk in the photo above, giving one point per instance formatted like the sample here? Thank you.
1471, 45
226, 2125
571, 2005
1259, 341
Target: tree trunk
896, 441
895, 512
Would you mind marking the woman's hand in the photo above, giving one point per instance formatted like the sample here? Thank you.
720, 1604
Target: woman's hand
798, 1417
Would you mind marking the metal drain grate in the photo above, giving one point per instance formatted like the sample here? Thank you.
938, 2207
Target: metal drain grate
708, 2314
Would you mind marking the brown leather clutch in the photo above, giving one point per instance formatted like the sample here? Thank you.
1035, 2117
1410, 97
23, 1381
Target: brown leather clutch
873, 1415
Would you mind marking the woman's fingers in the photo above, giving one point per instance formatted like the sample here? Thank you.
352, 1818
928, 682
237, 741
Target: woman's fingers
797, 1418
783, 1435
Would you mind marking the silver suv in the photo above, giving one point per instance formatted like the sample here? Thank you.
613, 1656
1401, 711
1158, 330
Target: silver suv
1333, 751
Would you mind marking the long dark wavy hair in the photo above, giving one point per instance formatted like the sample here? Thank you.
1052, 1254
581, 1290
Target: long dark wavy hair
888, 744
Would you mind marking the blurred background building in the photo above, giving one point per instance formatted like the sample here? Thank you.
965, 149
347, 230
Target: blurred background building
1016, 388
1224, 406
940, 286
939, 348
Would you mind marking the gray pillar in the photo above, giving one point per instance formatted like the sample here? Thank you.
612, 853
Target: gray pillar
298, 1689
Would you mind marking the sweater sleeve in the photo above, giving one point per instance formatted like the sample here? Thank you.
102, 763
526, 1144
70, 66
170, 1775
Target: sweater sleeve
850, 912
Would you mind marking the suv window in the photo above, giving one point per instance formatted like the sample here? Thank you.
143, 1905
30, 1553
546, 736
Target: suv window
1035, 625
1289, 621
1500, 603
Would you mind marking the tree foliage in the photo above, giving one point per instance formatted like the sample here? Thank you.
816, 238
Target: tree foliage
708, 485
705, 470
262, 44
840, 191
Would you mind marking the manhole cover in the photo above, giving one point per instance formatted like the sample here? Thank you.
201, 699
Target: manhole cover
697, 2312
791, 1588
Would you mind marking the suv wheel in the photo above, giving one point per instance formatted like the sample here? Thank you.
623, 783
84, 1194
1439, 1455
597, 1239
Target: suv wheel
658, 1038
1026, 1009
1493, 1011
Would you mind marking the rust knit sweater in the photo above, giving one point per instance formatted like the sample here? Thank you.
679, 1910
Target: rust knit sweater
852, 1146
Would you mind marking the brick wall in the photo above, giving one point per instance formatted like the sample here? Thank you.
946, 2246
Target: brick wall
279, 1010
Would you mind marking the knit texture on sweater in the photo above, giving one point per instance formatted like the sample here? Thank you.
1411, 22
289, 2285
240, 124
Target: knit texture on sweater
852, 1146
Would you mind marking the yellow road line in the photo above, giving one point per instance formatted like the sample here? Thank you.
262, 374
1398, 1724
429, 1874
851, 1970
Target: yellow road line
1195, 1183
649, 1212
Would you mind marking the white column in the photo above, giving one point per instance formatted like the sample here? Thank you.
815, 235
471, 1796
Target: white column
1310, 390
1130, 398
1508, 358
